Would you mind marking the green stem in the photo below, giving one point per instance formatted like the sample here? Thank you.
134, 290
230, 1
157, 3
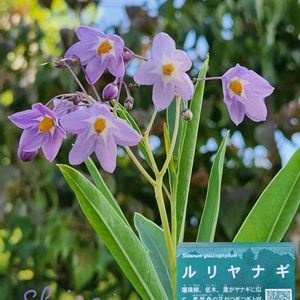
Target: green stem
139, 166
145, 139
166, 229
173, 141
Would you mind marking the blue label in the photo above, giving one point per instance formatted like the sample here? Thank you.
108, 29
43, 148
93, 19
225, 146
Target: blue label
235, 271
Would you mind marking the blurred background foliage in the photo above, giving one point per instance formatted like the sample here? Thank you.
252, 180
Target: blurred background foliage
44, 238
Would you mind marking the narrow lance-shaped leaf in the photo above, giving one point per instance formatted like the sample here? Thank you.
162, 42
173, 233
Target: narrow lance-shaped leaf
118, 237
186, 157
209, 218
152, 236
103, 188
275, 209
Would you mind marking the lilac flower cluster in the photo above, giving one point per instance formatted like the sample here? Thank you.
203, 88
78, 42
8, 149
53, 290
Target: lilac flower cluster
95, 122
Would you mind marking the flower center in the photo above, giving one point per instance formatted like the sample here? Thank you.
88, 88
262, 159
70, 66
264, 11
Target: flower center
104, 47
236, 87
99, 125
46, 124
168, 69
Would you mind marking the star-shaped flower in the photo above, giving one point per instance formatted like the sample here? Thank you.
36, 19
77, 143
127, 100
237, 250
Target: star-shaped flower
244, 92
98, 51
99, 131
41, 130
166, 72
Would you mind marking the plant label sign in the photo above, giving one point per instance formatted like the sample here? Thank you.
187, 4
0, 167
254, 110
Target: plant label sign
235, 271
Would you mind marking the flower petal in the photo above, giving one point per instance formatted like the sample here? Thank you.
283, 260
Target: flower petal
255, 107
106, 152
52, 143
183, 58
85, 51
162, 44
163, 94
118, 43
25, 119
124, 134
88, 33
74, 122
31, 139
258, 84
95, 68
145, 74
184, 87
83, 148
99, 109
44, 110
236, 111
116, 66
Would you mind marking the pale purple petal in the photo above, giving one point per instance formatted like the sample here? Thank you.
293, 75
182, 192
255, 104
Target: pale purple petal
255, 107
88, 33
145, 74
116, 66
25, 119
85, 51
99, 109
44, 110
184, 59
95, 68
83, 148
258, 84
236, 71
52, 143
31, 139
163, 94
74, 122
124, 134
184, 87
106, 152
236, 111
118, 43
162, 44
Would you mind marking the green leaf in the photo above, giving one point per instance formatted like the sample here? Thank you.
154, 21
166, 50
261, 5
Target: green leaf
275, 209
103, 188
124, 114
152, 237
118, 237
209, 219
187, 152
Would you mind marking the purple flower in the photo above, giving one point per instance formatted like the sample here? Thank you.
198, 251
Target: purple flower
98, 131
41, 130
244, 92
166, 72
98, 51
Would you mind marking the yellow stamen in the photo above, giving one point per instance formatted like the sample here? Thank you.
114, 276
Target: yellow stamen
236, 87
104, 47
168, 69
46, 124
99, 125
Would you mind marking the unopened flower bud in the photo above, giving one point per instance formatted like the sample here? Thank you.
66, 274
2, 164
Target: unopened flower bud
110, 92
128, 103
27, 156
187, 114
127, 56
